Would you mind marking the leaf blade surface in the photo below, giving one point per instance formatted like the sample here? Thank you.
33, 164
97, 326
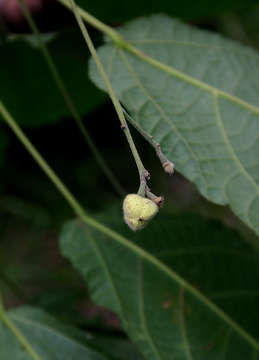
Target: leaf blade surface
196, 94
154, 290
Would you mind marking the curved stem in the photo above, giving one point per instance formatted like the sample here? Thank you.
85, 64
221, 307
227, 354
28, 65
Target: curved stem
75, 205
141, 169
163, 159
113, 34
120, 41
70, 105
42, 163
22, 340
139, 251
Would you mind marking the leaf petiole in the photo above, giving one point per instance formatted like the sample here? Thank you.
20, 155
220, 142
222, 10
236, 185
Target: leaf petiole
143, 173
70, 105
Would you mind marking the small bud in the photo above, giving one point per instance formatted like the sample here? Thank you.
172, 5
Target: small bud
138, 211
168, 167
159, 200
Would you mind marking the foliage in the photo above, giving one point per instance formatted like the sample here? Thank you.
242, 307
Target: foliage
185, 287
198, 100
172, 285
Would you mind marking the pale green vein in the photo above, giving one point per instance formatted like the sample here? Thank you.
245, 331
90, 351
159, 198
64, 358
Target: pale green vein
178, 279
154, 102
142, 313
105, 269
176, 42
189, 79
44, 327
161, 111
232, 152
122, 43
183, 325
116, 236
19, 336
109, 69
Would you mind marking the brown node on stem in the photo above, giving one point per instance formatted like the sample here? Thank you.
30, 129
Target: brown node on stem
159, 200
146, 174
168, 167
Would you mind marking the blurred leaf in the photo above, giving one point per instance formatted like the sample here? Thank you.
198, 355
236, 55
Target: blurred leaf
181, 286
111, 11
199, 101
48, 339
26, 84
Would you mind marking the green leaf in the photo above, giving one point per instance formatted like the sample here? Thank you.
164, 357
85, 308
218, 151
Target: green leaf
27, 87
189, 292
196, 93
29, 333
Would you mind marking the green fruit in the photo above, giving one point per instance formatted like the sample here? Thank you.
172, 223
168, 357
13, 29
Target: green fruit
138, 211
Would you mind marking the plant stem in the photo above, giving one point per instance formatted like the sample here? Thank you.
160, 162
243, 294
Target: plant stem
42, 163
163, 159
113, 34
22, 340
121, 42
70, 105
129, 245
143, 174
78, 209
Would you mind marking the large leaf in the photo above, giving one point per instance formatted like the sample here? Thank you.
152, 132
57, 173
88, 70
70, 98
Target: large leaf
30, 334
189, 292
196, 93
27, 87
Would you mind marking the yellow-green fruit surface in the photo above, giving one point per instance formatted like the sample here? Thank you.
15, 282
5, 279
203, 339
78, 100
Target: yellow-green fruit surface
138, 211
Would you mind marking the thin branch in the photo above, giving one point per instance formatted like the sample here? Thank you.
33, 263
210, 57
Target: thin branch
167, 164
74, 204
70, 105
138, 251
90, 19
143, 174
126, 45
16, 332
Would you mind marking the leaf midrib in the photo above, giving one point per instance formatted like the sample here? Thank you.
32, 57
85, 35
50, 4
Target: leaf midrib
220, 126
19, 336
216, 93
43, 326
235, 157
188, 78
178, 279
